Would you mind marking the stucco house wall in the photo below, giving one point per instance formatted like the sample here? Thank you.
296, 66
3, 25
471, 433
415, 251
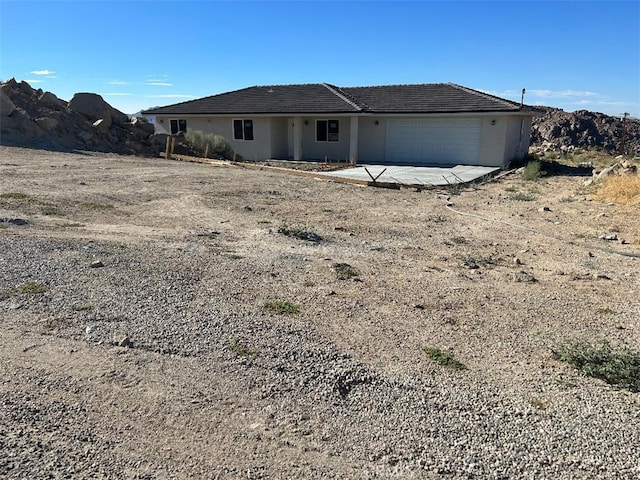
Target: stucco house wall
313, 150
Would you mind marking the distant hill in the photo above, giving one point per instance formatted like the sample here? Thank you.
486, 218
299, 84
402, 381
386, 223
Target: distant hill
556, 129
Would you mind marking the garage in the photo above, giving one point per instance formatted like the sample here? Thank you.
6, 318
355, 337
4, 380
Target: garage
433, 141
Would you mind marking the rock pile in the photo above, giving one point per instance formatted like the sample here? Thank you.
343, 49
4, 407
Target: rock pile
564, 131
37, 119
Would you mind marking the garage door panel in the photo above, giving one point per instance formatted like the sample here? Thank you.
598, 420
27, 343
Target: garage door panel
437, 141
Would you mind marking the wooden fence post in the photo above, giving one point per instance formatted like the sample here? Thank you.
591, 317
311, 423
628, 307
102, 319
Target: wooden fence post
166, 152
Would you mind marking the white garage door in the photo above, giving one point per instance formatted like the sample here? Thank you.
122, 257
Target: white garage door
433, 142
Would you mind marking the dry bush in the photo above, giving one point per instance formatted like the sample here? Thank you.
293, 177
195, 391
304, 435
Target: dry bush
620, 189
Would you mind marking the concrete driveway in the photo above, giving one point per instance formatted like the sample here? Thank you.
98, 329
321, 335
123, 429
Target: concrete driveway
419, 176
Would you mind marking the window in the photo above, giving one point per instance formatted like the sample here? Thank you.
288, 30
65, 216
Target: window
178, 126
243, 129
327, 130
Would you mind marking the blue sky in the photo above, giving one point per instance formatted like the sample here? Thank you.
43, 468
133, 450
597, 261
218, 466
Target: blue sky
138, 54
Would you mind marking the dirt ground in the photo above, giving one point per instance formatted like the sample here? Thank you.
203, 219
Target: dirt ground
136, 339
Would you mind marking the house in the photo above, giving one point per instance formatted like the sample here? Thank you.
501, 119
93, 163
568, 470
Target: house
426, 124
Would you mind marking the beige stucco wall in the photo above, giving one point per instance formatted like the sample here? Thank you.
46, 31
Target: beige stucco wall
279, 138
500, 138
312, 150
371, 139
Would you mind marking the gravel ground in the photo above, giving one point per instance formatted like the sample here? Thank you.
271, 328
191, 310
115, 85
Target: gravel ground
135, 342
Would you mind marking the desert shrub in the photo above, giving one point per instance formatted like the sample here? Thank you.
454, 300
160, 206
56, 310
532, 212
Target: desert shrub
531, 171
344, 271
522, 197
218, 145
444, 358
619, 367
280, 307
299, 232
622, 189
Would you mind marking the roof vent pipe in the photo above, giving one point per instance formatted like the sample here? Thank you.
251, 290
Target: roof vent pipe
522, 98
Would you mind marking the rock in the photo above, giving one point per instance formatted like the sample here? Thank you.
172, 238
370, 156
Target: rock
143, 125
124, 341
47, 123
601, 276
14, 221
7, 107
247, 208
89, 329
93, 107
544, 209
566, 132
610, 237
96, 264
49, 99
102, 124
85, 136
517, 261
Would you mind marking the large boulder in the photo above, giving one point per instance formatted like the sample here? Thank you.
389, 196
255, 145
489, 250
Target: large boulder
93, 107
48, 99
7, 107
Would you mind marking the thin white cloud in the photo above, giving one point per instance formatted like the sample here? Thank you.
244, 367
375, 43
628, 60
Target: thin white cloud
561, 93
117, 82
33, 80
173, 95
159, 84
42, 72
51, 76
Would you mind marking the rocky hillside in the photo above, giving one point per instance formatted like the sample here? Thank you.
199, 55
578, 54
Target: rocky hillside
556, 129
37, 119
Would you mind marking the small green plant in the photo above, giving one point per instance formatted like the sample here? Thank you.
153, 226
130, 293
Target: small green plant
97, 206
344, 271
444, 358
52, 212
605, 311
619, 367
531, 171
232, 255
32, 288
522, 197
264, 222
478, 260
511, 189
52, 324
18, 197
242, 349
459, 240
299, 232
454, 189
538, 404
81, 308
280, 307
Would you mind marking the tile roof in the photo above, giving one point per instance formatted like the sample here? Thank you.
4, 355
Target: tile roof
323, 98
